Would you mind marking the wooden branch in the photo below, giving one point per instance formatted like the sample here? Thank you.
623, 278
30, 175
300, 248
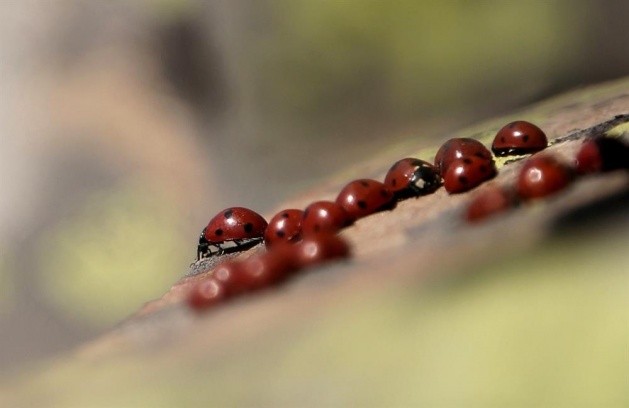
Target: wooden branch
523, 309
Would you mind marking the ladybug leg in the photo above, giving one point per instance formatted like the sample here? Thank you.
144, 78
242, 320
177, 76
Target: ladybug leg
227, 247
248, 242
203, 249
206, 250
237, 245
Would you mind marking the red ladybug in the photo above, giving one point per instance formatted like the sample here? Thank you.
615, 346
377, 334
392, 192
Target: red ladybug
324, 216
459, 148
206, 293
233, 229
362, 197
263, 270
412, 178
488, 202
519, 137
229, 275
602, 154
256, 272
285, 226
542, 175
466, 173
315, 249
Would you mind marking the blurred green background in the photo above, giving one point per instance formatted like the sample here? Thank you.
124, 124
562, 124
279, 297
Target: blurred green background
126, 125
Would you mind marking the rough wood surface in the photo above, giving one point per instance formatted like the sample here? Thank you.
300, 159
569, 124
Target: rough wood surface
428, 310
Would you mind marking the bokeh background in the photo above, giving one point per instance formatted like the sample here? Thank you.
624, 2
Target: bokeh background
126, 125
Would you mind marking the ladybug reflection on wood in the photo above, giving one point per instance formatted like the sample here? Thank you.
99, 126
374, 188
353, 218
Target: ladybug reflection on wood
233, 229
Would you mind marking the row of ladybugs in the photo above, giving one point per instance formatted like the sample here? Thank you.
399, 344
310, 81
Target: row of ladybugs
297, 239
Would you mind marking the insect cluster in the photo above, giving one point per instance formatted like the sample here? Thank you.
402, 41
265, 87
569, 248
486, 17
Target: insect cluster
296, 239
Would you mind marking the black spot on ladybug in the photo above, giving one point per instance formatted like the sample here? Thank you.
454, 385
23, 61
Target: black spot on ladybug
525, 138
364, 183
285, 215
362, 204
463, 180
228, 213
394, 182
467, 161
248, 227
480, 154
280, 234
502, 138
218, 232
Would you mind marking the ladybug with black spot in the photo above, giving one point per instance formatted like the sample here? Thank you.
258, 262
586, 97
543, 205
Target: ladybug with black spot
467, 173
285, 226
459, 148
324, 216
412, 177
517, 138
233, 229
362, 197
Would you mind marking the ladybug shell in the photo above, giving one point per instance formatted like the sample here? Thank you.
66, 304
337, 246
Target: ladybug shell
269, 268
542, 176
285, 226
589, 158
362, 197
412, 177
206, 293
256, 272
324, 216
235, 223
459, 148
229, 275
488, 202
315, 249
602, 154
519, 137
467, 173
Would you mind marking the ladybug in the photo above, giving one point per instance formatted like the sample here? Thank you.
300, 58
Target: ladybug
458, 148
488, 202
229, 275
256, 272
466, 173
315, 249
269, 268
541, 176
285, 226
602, 154
206, 293
233, 229
324, 216
362, 197
412, 178
519, 137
